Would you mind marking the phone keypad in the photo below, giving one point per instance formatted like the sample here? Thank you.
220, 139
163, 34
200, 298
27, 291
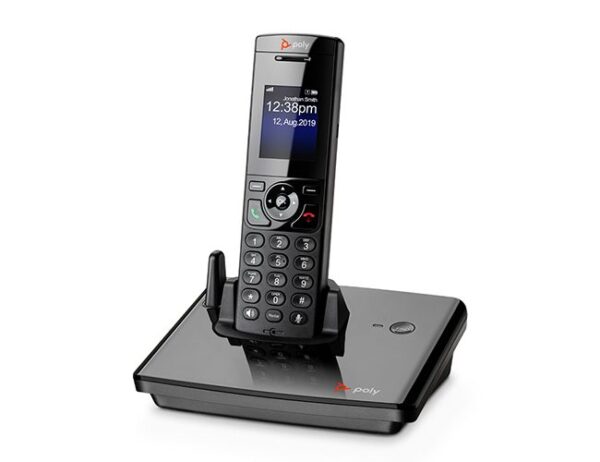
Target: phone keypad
278, 283
280, 258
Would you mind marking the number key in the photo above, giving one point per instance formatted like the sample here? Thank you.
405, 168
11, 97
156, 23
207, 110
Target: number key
277, 260
302, 281
251, 277
304, 263
276, 279
274, 297
253, 258
279, 242
305, 244
255, 240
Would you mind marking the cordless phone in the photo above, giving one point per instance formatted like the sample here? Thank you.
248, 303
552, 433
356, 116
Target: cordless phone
288, 197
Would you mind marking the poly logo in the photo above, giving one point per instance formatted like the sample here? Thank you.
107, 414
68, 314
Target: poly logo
341, 387
369, 391
285, 44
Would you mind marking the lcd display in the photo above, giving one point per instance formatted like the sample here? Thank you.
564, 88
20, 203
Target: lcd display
290, 122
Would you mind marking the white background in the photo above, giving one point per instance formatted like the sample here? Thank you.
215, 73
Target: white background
467, 166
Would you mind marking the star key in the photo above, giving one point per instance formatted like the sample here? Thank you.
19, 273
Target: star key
250, 295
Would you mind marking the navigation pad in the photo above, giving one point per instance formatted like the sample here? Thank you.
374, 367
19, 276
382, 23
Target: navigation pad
282, 202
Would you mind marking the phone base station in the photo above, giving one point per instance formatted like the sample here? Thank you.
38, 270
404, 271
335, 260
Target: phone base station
397, 350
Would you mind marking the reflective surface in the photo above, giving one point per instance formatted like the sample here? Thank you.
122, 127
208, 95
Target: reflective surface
320, 74
307, 371
378, 366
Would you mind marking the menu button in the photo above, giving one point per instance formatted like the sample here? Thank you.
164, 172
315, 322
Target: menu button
256, 186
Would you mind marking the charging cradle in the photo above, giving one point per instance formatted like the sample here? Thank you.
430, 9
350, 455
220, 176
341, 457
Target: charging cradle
378, 357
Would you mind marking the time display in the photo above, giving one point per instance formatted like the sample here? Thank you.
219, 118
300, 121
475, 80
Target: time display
289, 123
293, 107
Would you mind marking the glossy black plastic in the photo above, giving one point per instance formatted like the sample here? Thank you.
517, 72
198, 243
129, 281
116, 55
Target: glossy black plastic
222, 301
310, 62
215, 279
379, 382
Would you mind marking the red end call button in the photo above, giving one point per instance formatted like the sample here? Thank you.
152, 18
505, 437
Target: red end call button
309, 218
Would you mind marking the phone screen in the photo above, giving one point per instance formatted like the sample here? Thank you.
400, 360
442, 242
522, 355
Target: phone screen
290, 123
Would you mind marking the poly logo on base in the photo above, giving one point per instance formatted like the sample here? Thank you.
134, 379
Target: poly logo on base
341, 387
368, 391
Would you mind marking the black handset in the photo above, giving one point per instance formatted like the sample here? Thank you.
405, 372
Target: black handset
290, 173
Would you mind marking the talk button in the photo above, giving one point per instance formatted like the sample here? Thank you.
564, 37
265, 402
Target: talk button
255, 214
